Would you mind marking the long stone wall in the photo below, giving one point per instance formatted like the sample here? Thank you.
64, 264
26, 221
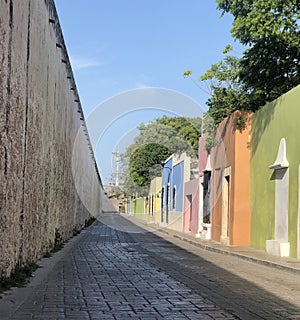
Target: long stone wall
48, 188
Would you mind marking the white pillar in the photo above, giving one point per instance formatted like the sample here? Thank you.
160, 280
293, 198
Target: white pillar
226, 182
200, 206
280, 246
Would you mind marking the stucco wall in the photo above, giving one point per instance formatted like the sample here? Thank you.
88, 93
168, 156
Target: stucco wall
242, 213
40, 122
191, 207
177, 184
202, 155
222, 158
276, 120
231, 159
167, 179
154, 203
138, 208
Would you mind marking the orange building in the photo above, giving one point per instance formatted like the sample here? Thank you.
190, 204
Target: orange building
231, 217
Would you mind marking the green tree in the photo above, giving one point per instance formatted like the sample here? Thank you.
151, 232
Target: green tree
209, 130
145, 161
269, 67
156, 141
187, 130
271, 30
227, 91
178, 134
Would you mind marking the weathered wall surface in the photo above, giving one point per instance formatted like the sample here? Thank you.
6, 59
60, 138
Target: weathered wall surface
46, 185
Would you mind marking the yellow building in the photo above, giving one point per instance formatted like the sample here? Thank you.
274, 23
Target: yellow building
154, 200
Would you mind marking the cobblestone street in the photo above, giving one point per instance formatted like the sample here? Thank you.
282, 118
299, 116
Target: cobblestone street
107, 273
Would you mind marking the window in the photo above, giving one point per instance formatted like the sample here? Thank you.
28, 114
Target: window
168, 198
174, 198
206, 197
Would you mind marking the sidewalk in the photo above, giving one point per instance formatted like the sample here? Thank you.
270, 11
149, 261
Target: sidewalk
246, 253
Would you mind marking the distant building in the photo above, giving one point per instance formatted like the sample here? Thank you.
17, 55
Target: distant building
153, 207
117, 197
176, 171
197, 197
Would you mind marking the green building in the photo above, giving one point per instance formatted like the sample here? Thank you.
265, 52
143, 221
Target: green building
275, 175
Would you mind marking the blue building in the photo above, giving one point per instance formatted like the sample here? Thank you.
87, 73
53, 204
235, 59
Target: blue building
176, 171
167, 175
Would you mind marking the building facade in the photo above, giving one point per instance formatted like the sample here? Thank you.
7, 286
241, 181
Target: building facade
275, 176
231, 216
153, 207
197, 197
176, 171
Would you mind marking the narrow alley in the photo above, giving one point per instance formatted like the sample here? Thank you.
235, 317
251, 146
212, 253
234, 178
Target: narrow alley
108, 273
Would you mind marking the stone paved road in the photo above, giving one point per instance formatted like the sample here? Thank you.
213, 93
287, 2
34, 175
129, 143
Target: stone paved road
111, 274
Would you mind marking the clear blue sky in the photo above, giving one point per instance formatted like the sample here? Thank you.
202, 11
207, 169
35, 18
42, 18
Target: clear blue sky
120, 45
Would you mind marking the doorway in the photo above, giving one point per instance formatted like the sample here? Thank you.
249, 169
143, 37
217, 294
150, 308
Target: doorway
206, 196
190, 211
225, 226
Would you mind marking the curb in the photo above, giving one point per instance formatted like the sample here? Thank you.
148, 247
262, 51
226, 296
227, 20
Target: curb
208, 247
13, 298
235, 254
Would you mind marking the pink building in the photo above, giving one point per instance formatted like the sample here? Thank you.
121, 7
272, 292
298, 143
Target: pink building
191, 207
197, 200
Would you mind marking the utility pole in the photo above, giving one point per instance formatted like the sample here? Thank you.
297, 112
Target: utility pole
117, 158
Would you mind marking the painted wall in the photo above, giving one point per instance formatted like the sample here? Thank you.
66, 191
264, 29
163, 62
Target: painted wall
127, 205
202, 155
205, 174
276, 120
132, 206
138, 207
177, 183
176, 171
222, 157
205, 198
242, 213
154, 199
166, 179
46, 187
191, 207
230, 183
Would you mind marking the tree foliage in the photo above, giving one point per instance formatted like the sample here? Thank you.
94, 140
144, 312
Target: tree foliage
259, 19
187, 131
227, 91
156, 141
209, 130
269, 67
144, 163
271, 29
178, 134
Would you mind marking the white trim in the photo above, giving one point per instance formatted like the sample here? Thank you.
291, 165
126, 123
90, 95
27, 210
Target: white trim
225, 222
200, 206
281, 160
208, 164
280, 246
